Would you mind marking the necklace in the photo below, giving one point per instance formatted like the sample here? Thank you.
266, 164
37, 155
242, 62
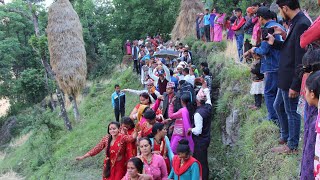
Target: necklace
157, 141
148, 159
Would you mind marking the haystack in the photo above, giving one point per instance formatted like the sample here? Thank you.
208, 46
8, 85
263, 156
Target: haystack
66, 47
186, 22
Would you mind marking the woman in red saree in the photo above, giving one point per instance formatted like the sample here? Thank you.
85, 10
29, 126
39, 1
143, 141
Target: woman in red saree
146, 127
115, 143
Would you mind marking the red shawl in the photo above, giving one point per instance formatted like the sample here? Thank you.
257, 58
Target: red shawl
187, 164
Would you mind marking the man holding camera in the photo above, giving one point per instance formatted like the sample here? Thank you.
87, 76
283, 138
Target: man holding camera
289, 81
269, 61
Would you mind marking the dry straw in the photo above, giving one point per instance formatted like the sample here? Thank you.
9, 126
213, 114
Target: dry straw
186, 22
66, 47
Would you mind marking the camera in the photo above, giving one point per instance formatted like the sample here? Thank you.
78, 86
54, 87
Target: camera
265, 32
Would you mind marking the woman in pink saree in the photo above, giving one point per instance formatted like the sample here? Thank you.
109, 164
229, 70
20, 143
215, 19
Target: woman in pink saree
218, 27
128, 47
182, 124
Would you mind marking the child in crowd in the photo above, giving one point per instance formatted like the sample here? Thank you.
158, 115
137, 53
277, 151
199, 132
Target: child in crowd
312, 97
118, 99
311, 64
257, 86
127, 127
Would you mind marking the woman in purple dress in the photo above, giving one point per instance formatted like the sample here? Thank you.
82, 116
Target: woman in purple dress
212, 18
312, 60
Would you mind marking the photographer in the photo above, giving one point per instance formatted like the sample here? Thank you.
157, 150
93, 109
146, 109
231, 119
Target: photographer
269, 61
289, 81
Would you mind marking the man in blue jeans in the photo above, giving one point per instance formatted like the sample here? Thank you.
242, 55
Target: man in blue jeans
289, 84
269, 62
237, 27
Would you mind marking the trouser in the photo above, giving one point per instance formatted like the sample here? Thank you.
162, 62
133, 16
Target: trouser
258, 100
239, 40
207, 32
198, 34
201, 154
270, 93
118, 112
211, 33
289, 119
136, 66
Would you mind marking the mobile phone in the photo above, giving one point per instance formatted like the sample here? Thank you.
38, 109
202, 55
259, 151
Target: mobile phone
265, 32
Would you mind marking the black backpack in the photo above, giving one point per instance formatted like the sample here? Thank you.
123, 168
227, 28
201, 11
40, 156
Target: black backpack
187, 88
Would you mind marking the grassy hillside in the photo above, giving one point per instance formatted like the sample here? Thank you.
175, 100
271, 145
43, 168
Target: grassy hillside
250, 157
50, 151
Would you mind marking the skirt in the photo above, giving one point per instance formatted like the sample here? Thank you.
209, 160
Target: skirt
257, 88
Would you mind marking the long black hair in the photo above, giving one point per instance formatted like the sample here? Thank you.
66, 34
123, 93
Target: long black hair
137, 163
156, 127
186, 98
108, 163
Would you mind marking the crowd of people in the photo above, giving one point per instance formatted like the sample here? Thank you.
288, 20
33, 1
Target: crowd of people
167, 134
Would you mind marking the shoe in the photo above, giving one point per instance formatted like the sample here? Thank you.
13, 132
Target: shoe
254, 108
282, 142
284, 149
251, 106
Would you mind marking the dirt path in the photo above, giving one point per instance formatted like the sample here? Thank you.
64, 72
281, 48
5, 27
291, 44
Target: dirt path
11, 175
4, 106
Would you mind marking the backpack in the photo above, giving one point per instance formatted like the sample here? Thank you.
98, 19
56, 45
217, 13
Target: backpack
187, 88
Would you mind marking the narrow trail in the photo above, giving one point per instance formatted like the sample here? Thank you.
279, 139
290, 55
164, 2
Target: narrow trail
4, 106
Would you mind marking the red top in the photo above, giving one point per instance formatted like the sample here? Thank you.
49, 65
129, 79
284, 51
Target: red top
238, 24
311, 35
117, 155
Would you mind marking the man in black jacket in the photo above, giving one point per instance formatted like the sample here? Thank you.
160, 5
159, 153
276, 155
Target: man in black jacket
289, 82
168, 99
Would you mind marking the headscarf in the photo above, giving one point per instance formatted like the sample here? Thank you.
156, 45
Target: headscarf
140, 111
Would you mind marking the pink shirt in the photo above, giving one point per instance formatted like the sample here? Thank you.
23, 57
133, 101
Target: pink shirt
157, 168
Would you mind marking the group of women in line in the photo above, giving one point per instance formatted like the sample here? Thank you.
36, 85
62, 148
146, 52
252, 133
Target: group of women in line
143, 151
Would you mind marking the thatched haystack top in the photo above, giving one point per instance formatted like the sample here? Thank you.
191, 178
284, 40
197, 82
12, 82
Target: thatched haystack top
186, 22
66, 47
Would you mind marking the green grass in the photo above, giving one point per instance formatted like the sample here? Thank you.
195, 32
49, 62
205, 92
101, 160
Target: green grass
250, 157
50, 152
51, 155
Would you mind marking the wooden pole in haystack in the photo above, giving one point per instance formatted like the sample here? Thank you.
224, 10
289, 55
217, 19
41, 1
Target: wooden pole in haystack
67, 51
186, 22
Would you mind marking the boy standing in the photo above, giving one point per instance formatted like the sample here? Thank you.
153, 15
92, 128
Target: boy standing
239, 31
118, 99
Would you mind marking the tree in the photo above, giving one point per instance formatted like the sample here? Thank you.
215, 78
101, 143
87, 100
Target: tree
136, 18
16, 54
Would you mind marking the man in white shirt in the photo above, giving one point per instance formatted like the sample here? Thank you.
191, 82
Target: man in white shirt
201, 131
150, 90
188, 75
